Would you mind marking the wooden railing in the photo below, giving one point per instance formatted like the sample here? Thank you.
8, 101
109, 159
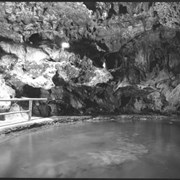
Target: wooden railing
23, 99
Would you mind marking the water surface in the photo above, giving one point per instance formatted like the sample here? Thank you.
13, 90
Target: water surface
139, 149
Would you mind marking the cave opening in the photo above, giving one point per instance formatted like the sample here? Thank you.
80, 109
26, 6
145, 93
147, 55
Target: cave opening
29, 91
39, 40
88, 48
83, 47
6, 39
125, 100
34, 39
113, 60
122, 9
97, 60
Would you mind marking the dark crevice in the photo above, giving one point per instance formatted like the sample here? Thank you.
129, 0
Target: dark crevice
83, 47
125, 100
122, 9
111, 12
38, 40
31, 92
57, 80
5, 39
113, 60
35, 39
91, 5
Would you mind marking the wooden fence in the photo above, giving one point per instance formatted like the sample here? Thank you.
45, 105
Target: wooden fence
23, 99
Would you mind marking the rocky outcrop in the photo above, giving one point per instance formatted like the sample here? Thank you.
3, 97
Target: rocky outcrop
31, 68
22, 19
123, 57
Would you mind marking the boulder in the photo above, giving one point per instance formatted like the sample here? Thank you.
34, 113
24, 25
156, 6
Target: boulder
76, 103
139, 105
101, 76
173, 96
7, 63
16, 116
57, 93
6, 93
157, 101
66, 71
15, 49
53, 111
41, 109
44, 109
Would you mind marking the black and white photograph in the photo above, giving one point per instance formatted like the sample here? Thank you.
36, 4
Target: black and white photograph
90, 89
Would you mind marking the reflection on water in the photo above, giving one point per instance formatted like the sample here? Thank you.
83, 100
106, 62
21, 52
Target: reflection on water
101, 149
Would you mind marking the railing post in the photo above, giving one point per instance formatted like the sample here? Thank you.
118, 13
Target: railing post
30, 109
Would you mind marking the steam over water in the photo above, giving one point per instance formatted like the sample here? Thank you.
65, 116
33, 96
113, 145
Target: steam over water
99, 149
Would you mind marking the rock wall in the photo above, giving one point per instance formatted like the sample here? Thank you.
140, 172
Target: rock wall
33, 73
123, 57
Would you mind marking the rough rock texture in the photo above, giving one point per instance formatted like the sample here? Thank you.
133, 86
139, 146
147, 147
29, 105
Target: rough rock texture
28, 69
21, 116
6, 93
123, 56
22, 19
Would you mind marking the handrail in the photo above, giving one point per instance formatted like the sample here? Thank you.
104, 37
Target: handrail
23, 99
13, 112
